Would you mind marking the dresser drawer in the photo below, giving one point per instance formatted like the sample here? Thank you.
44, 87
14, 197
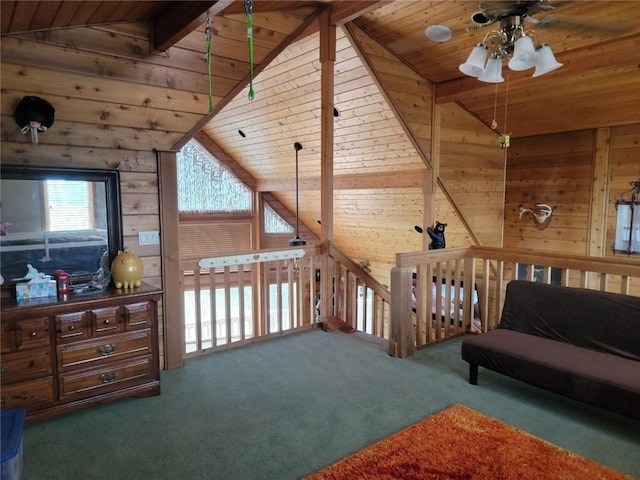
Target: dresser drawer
33, 333
71, 327
102, 350
27, 394
114, 376
139, 315
25, 365
106, 321
7, 338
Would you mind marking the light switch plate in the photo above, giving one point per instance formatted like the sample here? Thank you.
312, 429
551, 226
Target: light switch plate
151, 237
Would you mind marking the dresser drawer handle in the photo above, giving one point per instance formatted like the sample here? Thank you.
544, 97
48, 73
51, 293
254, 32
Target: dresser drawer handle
4, 400
107, 322
33, 334
106, 349
2, 369
71, 328
107, 377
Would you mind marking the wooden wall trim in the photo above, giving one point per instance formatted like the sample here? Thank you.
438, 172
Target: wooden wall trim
596, 243
171, 275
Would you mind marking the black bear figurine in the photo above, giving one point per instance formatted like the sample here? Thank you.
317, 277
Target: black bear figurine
437, 236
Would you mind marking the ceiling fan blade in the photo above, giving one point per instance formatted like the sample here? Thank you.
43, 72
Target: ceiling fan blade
584, 24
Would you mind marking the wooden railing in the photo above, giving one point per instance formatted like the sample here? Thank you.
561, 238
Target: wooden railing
435, 294
438, 294
362, 302
248, 296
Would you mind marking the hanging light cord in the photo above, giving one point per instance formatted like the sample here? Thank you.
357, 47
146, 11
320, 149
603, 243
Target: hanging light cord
248, 9
506, 102
208, 34
494, 123
297, 215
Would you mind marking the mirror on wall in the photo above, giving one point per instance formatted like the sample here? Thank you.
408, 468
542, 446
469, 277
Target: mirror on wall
57, 218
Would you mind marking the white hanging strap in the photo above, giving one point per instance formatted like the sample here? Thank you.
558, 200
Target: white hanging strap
34, 127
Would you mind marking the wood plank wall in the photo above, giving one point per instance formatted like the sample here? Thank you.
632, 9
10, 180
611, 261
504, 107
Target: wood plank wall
471, 169
370, 221
559, 170
100, 122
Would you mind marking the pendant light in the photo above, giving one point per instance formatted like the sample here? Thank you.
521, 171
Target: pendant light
294, 242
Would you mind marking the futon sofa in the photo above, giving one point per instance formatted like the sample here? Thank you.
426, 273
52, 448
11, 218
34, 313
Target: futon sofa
584, 344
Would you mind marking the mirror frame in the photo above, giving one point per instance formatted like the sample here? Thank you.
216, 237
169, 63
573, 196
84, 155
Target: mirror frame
111, 179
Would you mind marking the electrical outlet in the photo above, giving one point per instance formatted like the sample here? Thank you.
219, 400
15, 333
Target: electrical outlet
151, 237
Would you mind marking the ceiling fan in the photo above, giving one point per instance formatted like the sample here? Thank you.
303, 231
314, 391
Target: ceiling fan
511, 41
512, 14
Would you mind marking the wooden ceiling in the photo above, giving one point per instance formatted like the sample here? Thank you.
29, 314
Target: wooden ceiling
597, 41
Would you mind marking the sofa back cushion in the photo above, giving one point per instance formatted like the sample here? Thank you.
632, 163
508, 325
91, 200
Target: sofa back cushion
607, 322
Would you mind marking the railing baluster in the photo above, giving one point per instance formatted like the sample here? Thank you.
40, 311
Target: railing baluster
427, 288
499, 298
241, 311
197, 309
456, 298
625, 284
604, 280
227, 304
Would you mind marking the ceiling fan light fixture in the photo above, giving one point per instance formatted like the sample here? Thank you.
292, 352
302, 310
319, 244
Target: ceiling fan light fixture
493, 72
524, 55
438, 33
474, 66
546, 61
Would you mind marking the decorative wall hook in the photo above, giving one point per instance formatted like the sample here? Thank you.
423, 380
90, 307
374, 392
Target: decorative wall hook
540, 213
33, 114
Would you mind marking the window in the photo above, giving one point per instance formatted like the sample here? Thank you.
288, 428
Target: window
69, 205
206, 186
274, 223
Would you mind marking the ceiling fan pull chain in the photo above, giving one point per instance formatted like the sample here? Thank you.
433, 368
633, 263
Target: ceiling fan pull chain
208, 35
494, 122
248, 8
505, 138
506, 103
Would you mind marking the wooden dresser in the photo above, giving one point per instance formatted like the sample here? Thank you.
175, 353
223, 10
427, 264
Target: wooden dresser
63, 354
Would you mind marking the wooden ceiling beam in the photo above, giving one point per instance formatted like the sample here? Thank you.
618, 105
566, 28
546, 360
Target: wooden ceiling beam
347, 10
222, 156
179, 19
352, 181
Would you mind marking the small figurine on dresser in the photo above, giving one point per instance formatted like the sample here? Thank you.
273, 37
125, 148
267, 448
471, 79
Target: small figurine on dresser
126, 270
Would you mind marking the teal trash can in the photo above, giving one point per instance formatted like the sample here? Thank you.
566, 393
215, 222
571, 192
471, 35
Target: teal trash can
12, 426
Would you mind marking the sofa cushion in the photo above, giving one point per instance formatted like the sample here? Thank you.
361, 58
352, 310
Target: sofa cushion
597, 378
602, 321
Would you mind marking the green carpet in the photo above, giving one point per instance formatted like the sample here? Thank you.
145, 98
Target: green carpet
286, 408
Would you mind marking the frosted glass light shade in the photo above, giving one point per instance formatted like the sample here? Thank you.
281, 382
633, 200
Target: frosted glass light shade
493, 72
474, 66
524, 55
546, 61
627, 238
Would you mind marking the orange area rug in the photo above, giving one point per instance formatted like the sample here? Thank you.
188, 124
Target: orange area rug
461, 444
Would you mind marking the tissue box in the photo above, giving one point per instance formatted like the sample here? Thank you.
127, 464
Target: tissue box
46, 288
